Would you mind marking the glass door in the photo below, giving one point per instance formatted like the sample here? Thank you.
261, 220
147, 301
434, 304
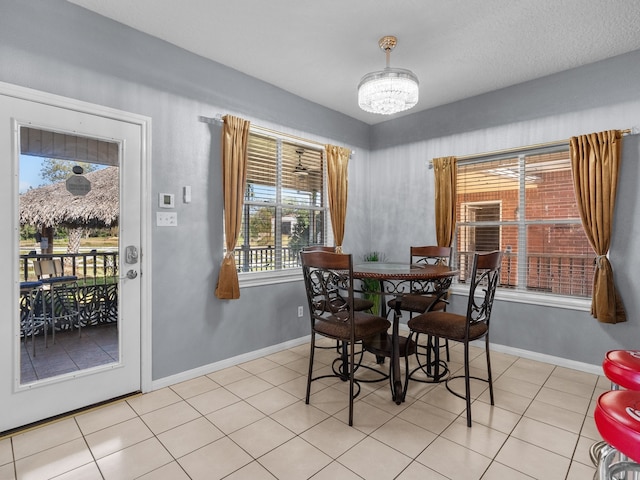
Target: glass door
73, 293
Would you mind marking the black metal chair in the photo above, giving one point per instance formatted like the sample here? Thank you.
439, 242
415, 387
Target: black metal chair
359, 304
483, 281
328, 279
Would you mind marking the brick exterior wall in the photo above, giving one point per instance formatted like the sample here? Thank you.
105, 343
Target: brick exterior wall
560, 259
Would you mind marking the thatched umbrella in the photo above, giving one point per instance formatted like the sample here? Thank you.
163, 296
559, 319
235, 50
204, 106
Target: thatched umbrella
53, 205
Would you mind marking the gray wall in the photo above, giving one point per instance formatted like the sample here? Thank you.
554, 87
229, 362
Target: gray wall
57, 47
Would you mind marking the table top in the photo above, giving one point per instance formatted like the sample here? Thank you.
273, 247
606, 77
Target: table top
402, 271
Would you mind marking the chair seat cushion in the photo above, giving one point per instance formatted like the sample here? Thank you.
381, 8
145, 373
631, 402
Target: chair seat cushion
415, 303
622, 367
446, 325
366, 325
65, 279
617, 417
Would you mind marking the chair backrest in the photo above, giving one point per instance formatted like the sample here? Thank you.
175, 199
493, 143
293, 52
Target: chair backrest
431, 254
44, 268
58, 267
328, 279
485, 277
319, 248
51, 271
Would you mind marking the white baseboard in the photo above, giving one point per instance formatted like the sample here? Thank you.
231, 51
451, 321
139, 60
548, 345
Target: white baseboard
227, 362
246, 357
541, 357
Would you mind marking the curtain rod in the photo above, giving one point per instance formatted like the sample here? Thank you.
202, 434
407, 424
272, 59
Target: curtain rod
632, 131
219, 119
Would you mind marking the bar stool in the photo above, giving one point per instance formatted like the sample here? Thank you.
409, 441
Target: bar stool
622, 368
617, 417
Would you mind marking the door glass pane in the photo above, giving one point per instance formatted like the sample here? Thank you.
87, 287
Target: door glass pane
68, 258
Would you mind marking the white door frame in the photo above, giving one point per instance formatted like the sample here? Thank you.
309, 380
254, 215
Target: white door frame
144, 124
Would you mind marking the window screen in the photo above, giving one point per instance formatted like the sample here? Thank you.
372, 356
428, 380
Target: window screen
524, 205
284, 206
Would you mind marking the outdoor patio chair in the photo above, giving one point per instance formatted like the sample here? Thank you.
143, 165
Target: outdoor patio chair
62, 292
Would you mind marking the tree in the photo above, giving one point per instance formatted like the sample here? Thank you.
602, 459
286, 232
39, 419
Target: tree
300, 232
260, 225
54, 170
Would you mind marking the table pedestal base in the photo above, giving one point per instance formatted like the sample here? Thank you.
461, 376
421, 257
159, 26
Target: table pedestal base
382, 347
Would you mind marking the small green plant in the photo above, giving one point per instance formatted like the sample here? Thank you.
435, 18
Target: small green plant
374, 257
372, 285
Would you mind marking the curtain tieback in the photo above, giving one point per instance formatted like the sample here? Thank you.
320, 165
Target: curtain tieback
598, 259
338, 249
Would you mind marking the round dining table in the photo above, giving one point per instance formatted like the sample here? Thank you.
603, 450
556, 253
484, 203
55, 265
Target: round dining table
395, 279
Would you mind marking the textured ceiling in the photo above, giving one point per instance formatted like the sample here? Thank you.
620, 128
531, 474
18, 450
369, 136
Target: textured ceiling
319, 50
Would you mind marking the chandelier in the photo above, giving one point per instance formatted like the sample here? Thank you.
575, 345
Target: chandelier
388, 91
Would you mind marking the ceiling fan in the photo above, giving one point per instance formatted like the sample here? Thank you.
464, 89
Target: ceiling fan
300, 169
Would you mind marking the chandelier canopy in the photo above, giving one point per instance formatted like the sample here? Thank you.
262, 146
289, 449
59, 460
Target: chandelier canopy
388, 91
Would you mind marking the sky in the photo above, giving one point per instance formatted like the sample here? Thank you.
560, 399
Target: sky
30, 168
30, 172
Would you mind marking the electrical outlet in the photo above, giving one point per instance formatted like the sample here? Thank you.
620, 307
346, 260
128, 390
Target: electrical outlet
300, 311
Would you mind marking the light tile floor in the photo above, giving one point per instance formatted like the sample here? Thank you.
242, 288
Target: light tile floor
250, 422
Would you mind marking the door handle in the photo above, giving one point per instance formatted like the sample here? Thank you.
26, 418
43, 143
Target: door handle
131, 274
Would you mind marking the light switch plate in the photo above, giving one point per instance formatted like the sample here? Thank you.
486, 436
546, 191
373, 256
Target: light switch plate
166, 219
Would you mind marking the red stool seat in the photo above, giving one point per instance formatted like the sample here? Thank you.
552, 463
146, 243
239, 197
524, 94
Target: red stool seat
622, 367
617, 417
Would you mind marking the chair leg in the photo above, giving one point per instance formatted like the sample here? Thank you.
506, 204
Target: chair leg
489, 376
467, 383
313, 345
351, 379
607, 455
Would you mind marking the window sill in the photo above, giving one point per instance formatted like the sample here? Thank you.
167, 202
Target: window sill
259, 279
545, 300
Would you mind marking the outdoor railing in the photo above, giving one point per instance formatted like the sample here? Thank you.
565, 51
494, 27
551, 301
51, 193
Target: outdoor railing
559, 274
97, 284
260, 259
91, 267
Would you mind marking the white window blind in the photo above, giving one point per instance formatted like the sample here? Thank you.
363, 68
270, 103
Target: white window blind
524, 205
285, 203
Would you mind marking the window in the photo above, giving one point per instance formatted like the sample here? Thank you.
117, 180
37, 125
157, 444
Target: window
524, 205
284, 204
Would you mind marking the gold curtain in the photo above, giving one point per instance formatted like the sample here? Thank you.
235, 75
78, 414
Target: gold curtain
595, 160
235, 134
337, 163
445, 171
